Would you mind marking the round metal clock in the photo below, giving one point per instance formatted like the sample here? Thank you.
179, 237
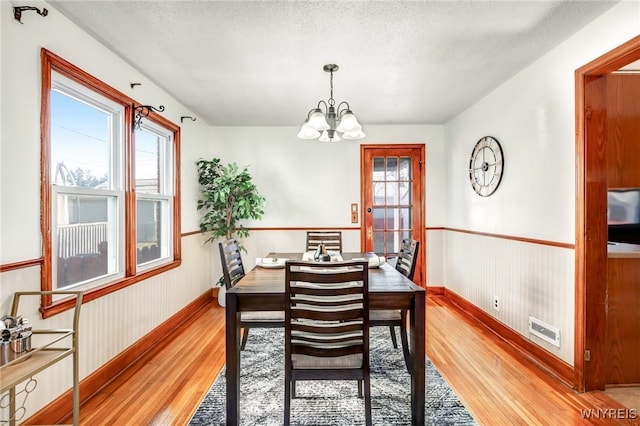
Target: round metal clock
486, 166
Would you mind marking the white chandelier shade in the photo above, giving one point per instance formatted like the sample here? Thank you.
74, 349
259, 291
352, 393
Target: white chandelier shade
327, 125
308, 132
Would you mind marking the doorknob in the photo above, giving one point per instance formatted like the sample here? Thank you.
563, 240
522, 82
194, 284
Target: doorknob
369, 210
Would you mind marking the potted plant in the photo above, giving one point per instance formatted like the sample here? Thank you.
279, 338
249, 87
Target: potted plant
228, 196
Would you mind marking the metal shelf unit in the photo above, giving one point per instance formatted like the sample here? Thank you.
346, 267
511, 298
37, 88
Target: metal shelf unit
22, 369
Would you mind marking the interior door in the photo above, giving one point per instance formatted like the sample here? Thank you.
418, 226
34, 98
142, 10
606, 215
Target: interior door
393, 200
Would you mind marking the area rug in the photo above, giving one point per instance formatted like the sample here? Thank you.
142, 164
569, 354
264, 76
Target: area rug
329, 402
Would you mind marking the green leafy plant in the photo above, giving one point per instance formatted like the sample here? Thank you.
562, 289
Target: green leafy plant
228, 196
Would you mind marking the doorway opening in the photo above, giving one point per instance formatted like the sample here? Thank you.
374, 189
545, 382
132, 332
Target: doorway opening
590, 356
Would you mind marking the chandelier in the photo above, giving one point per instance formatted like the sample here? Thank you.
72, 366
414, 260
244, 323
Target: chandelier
327, 124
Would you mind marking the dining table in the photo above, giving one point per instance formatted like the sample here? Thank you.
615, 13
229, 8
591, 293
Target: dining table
263, 289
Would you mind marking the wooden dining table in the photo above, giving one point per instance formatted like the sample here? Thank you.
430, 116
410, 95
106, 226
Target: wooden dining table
262, 289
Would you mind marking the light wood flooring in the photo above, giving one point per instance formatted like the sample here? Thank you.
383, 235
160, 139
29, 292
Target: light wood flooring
498, 386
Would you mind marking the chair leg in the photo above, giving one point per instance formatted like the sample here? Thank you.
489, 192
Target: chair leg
367, 400
359, 388
393, 336
287, 400
245, 334
293, 389
405, 342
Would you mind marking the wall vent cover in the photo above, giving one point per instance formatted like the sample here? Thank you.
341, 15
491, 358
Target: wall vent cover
544, 331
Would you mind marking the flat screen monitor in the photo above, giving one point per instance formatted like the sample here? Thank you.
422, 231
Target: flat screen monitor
623, 206
623, 215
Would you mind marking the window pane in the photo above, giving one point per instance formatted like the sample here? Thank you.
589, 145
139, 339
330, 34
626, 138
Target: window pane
392, 243
86, 230
405, 218
378, 218
391, 221
378, 242
405, 193
148, 161
392, 168
392, 193
378, 168
80, 142
151, 226
378, 193
405, 168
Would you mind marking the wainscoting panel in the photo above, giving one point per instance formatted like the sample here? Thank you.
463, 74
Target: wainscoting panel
435, 256
529, 279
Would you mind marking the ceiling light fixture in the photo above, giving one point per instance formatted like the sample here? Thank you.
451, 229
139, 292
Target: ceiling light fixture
326, 125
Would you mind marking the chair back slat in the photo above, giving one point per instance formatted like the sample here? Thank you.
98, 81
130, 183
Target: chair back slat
327, 313
231, 259
408, 258
331, 239
323, 352
344, 327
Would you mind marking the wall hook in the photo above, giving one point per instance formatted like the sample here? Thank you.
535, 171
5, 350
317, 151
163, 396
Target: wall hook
17, 12
135, 84
187, 116
141, 111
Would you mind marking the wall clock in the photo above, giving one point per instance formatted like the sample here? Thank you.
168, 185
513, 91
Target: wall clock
486, 166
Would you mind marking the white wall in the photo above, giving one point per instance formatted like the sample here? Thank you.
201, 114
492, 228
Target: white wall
112, 323
533, 117
308, 183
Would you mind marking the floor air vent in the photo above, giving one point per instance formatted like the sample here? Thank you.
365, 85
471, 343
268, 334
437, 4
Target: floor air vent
544, 331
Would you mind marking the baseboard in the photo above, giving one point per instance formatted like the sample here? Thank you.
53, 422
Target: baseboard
435, 290
544, 359
61, 408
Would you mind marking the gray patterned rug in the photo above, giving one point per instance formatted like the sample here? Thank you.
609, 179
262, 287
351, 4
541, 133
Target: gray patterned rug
328, 402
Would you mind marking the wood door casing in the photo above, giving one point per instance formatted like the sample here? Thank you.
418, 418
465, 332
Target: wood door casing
591, 227
405, 156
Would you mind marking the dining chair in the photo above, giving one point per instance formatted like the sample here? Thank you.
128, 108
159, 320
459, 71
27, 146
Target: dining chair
406, 265
331, 239
327, 326
233, 271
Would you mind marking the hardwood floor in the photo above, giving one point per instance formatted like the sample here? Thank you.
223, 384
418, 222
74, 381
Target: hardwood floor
498, 386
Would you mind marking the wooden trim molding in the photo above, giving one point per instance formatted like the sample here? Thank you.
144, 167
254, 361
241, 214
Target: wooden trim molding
306, 228
435, 291
591, 226
22, 264
190, 233
61, 407
544, 359
514, 238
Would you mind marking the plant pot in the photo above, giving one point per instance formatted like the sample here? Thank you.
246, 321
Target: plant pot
222, 296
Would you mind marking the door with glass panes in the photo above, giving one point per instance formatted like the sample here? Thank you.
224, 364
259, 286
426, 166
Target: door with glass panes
393, 200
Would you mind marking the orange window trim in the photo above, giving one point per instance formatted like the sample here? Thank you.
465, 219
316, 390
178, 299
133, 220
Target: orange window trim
52, 62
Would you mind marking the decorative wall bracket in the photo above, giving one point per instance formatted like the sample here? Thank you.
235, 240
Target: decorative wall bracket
141, 111
17, 12
184, 117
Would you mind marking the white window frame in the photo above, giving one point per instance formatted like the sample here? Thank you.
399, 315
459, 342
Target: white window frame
81, 93
165, 195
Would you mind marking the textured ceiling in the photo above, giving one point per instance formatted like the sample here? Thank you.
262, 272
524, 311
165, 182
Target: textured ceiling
260, 63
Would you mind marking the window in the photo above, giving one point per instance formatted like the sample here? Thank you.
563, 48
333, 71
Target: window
153, 195
110, 194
